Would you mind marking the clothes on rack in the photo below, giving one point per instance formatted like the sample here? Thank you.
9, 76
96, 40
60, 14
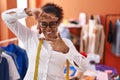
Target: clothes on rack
82, 19
8, 70
19, 56
116, 38
4, 69
92, 38
110, 32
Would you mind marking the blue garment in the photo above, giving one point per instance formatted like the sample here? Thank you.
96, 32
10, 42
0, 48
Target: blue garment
4, 69
20, 58
72, 69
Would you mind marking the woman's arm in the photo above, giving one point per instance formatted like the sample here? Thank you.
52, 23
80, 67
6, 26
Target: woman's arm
75, 58
11, 18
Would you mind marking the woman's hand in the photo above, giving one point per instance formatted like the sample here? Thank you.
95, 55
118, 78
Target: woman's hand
28, 11
39, 14
58, 44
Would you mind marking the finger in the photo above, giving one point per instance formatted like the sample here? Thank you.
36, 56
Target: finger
54, 18
58, 36
41, 13
43, 16
50, 39
49, 17
37, 12
40, 17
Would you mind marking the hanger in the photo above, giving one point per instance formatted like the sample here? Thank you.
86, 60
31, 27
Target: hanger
92, 17
1, 50
8, 40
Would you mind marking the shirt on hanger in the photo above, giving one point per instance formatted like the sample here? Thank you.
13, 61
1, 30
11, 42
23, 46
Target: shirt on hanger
13, 73
4, 69
93, 43
19, 56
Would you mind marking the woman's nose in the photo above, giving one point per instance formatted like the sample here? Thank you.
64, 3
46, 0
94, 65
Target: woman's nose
48, 28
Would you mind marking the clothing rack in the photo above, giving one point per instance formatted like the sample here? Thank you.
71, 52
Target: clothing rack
106, 16
8, 40
109, 15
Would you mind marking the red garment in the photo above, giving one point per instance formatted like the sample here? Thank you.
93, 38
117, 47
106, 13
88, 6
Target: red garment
83, 53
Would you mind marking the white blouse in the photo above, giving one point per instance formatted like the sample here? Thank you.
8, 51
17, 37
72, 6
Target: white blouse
51, 64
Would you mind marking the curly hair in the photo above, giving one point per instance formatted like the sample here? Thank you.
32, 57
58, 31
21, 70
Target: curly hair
55, 9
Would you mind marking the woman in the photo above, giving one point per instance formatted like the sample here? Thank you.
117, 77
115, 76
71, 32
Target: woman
54, 51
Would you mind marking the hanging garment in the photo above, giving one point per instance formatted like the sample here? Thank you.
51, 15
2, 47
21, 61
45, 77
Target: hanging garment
20, 58
110, 32
4, 69
93, 43
13, 72
99, 19
82, 19
116, 38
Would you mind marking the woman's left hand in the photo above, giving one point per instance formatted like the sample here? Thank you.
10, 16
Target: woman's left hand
58, 44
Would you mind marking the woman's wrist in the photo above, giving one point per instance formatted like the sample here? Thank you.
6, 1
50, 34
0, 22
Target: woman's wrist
28, 11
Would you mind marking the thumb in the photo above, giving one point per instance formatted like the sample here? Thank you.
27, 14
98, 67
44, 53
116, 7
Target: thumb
36, 13
58, 36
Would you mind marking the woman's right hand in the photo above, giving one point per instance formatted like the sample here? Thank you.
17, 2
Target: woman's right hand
39, 14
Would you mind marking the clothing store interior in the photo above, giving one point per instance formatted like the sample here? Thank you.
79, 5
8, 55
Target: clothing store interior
90, 24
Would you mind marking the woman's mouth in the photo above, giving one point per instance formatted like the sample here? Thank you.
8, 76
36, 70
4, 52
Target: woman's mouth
48, 32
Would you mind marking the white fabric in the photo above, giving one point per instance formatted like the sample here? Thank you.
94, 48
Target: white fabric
13, 73
92, 57
51, 62
82, 19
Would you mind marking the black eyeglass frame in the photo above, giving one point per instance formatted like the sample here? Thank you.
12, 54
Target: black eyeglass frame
51, 24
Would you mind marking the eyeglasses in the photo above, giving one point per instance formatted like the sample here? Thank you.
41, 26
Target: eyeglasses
52, 24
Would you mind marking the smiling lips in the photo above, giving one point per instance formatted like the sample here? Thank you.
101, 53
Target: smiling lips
48, 32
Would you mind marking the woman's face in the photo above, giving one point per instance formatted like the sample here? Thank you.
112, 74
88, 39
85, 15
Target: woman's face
48, 27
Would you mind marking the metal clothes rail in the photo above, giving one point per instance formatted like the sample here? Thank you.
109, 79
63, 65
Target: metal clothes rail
8, 40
